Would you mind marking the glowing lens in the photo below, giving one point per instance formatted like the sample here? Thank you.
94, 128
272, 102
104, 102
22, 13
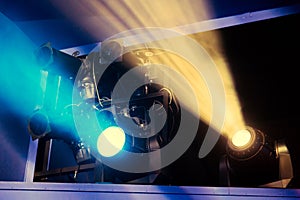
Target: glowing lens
241, 138
111, 141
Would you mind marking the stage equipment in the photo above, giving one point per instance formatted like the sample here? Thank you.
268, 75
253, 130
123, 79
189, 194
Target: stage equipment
72, 88
254, 156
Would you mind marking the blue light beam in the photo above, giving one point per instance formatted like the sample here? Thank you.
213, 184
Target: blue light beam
19, 75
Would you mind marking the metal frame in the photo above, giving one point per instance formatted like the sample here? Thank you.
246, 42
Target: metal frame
28, 189
211, 24
38, 158
47, 191
31, 159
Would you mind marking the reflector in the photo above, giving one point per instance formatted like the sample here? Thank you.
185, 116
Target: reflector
111, 141
241, 138
246, 143
257, 158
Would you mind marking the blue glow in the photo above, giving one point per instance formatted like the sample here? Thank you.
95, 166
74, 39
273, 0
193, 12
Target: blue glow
111, 141
99, 131
19, 75
24, 85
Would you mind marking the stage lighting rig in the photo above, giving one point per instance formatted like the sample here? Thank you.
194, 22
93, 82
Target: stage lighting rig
254, 159
71, 88
58, 62
52, 118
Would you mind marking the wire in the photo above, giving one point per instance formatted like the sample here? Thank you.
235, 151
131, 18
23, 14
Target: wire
170, 93
95, 83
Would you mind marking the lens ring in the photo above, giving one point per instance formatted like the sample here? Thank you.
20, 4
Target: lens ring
251, 149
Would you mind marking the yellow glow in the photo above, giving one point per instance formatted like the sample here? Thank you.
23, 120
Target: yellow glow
106, 17
233, 119
102, 19
111, 141
241, 138
212, 43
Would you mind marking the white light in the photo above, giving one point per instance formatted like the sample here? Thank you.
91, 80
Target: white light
111, 141
241, 138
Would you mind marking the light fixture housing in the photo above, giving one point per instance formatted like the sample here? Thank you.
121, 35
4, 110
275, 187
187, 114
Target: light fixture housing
255, 159
38, 125
248, 143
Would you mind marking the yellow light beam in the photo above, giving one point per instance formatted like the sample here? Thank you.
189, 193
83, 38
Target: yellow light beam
109, 17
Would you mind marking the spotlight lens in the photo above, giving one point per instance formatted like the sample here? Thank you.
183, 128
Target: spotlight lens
111, 141
241, 138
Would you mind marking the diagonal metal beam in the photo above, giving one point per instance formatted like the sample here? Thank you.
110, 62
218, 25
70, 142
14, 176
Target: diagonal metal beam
211, 24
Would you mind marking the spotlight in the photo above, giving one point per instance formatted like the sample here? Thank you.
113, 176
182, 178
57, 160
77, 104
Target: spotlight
247, 143
53, 119
38, 124
85, 118
55, 61
111, 50
241, 138
111, 141
41, 125
254, 159
112, 138
102, 134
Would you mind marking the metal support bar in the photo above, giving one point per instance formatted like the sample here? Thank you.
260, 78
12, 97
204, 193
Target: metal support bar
65, 170
47, 191
47, 153
30, 163
208, 25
